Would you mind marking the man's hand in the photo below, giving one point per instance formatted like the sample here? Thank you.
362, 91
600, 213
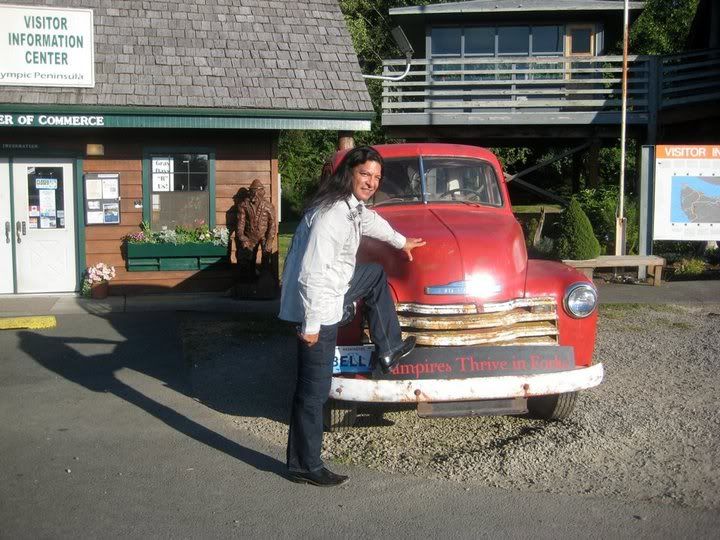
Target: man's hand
410, 244
309, 339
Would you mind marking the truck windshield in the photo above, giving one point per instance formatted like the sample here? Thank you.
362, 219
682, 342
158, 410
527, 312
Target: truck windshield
461, 179
447, 179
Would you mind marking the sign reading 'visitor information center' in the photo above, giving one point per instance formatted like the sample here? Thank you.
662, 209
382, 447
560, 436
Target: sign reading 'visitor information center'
46, 46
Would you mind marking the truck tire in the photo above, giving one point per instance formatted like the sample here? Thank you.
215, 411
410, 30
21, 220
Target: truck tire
339, 415
552, 407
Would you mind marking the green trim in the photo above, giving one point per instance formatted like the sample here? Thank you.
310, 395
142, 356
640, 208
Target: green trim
147, 184
12, 224
146, 213
211, 186
80, 253
186, 111
191, 249
55, 116
158, 257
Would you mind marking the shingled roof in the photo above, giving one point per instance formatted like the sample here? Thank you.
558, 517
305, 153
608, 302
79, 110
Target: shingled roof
230, 54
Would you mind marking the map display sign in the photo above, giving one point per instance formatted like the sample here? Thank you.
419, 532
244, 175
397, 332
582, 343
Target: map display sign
687, 192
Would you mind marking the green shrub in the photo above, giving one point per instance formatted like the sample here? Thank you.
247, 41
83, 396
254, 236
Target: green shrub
673, 251
600, 205
690, 267
577, 239
712, 256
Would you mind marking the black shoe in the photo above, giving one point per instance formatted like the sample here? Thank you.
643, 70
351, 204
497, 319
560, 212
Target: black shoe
322, 478
388, 361
349, 313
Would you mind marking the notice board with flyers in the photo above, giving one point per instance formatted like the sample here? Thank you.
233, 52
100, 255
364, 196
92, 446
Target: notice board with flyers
102, 199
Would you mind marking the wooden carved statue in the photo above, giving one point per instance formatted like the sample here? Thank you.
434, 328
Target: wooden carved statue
256, 230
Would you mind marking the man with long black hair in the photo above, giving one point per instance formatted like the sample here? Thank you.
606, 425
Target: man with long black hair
320, 281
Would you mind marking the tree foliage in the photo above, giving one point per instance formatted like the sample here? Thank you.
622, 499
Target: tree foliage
301, 157
662, 27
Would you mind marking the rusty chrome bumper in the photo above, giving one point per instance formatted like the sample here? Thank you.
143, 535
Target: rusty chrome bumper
411, 390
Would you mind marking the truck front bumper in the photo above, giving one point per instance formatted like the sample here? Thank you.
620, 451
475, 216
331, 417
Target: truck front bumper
477, 388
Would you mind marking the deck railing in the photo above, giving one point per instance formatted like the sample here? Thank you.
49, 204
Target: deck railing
518, 83
690, 78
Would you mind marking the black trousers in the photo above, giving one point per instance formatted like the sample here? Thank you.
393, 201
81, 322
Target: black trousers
314, 370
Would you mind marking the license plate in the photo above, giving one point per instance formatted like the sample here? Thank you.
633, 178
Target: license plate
355, 359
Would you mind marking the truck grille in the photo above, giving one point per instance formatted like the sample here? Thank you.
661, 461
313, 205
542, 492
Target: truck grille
524, 321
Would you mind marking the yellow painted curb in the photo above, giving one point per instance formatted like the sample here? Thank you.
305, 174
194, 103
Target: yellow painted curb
14, 323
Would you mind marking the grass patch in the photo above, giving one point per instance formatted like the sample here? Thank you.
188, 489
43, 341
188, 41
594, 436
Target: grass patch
609, 309
619, 311
682, 325
535, 208
615, 311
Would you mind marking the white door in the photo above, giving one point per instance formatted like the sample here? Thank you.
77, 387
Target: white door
44, 228
6, 240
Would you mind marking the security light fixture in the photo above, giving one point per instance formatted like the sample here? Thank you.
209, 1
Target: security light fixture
404, 44
402, 41
95, 150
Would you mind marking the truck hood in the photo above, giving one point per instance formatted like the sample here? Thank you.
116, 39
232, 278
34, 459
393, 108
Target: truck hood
473, 254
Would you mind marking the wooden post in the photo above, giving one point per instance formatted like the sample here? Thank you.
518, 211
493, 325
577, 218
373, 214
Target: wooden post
575, 169
345, 140
593, 164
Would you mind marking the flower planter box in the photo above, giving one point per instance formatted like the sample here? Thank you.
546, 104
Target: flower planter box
157, 257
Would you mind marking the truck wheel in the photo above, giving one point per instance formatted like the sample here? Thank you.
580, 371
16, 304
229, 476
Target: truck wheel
552, 407
339, 415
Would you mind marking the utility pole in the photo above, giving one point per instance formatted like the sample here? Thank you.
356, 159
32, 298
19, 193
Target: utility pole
620, 218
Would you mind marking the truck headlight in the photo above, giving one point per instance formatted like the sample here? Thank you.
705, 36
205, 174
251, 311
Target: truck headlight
580, 300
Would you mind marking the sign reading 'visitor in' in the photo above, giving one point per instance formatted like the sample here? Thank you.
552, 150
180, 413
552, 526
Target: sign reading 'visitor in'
42, 46
687, 192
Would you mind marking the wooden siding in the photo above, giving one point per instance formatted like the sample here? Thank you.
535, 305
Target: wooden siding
240, 158
238, 161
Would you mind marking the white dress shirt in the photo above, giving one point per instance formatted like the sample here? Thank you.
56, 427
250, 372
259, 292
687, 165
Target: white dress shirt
321, 261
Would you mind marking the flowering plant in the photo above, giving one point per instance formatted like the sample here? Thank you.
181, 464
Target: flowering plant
97, 274
200, 233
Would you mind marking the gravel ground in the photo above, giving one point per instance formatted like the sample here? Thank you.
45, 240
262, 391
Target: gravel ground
650, 432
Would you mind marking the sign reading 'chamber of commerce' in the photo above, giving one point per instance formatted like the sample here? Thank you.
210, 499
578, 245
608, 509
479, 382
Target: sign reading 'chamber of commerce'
42, 46
687, 192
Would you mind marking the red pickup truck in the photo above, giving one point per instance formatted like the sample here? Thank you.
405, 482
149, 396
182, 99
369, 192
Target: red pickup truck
497, 333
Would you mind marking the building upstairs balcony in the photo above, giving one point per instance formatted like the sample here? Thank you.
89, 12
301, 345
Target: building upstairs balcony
541, 68
532, 94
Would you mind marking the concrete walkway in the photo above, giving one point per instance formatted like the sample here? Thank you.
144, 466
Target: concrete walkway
69, 304
103, 435
704, 292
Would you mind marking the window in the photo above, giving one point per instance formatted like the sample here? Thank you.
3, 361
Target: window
181, 190
446, 41
513, 40
461, 179
546, 40
498, 40
581, 40
46, 205
401, 182
480, 40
